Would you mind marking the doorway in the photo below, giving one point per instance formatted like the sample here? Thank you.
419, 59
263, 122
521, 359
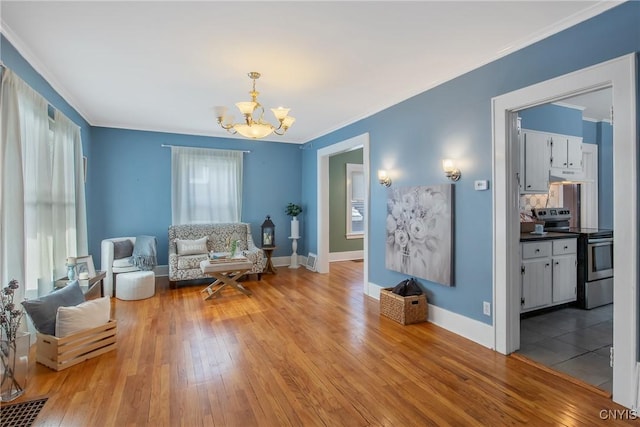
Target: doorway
322, 265
562, 335
619, 74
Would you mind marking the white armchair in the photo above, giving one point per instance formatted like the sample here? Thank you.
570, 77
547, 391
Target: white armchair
114, 266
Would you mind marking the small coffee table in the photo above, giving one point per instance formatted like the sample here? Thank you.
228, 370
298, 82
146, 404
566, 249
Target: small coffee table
226, 272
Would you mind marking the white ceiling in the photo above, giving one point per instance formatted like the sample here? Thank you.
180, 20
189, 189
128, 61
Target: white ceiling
163, 66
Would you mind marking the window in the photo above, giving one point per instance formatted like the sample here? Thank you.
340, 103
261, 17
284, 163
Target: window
206, 185
43, 215
355, 201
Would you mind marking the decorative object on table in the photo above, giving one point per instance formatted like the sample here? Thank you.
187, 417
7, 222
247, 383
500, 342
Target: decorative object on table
234, 249
85, 267
71, 268
419, 230
404, 310
21, 414
14, 346
250, 127
268, 233
293, 211
144, 253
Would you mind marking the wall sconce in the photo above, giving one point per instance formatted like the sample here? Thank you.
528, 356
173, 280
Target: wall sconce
383, 177
450, 170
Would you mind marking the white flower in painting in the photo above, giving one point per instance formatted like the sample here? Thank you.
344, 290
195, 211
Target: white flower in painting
396, 210
417, 230
391, 224
408, 202
402, 238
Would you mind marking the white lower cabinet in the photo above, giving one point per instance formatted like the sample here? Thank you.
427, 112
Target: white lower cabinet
549, 273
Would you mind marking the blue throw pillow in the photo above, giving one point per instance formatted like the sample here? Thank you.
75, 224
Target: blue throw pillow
43, 310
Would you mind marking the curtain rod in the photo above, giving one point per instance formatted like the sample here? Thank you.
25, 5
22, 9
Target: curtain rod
204, 148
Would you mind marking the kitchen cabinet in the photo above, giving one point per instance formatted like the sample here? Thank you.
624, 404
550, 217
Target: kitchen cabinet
549, 273
565, 270
566, 152
566, 157
534, 161
536, 275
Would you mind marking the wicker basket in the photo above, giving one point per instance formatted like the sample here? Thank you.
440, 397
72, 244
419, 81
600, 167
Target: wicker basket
404, 310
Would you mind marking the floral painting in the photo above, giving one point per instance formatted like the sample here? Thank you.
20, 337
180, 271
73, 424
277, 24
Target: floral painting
419, 229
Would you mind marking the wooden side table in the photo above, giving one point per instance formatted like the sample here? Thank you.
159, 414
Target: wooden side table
88, 286
269, 268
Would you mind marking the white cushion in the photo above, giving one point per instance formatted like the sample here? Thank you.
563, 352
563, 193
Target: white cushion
86, 315
192, 247
122, 262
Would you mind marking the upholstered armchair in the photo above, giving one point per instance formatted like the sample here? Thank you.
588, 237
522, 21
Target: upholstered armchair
114, 259
186, 265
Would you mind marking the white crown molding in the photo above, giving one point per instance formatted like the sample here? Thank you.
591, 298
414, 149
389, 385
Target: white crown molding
571, 106
591, 119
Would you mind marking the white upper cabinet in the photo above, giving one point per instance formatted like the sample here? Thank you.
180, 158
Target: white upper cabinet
566, 156
534, 162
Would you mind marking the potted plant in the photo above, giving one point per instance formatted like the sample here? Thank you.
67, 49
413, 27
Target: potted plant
293, 211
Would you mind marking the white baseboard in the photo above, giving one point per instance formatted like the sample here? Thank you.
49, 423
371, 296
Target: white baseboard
471, 329
346, 256
161, 270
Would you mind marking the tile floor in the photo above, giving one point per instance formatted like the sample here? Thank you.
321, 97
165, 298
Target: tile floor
572, 341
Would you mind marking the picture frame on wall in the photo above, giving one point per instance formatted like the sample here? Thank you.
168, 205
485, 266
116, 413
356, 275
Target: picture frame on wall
84, 264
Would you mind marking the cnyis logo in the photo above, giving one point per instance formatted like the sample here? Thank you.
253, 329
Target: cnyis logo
619, 414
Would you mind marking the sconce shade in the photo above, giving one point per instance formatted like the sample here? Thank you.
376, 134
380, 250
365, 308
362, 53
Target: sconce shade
450, 170
383, 177
268, 233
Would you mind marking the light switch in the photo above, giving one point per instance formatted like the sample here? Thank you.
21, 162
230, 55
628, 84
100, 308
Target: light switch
481, 185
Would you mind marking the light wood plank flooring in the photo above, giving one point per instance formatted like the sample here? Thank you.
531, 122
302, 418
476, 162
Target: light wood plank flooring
306, 349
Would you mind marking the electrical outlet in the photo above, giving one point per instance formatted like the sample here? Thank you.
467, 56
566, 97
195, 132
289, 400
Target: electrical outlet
486, 308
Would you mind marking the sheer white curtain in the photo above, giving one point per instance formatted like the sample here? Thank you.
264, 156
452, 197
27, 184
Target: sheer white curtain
206, 185
43, 209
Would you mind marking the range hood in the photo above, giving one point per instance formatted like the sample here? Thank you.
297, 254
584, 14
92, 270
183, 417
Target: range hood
567, 176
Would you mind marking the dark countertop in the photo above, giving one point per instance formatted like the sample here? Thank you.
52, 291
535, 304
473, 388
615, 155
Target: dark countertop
528, 237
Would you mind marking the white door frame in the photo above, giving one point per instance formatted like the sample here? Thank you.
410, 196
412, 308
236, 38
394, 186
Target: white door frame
322, 265
620, 75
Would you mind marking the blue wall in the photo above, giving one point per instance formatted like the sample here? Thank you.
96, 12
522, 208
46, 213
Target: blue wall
132, 175
605, 174
454, 120
553, 118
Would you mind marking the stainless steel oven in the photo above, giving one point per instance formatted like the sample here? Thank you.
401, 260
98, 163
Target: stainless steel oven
595, 257
599, 258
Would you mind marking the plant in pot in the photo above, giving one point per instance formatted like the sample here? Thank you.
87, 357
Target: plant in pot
293, 211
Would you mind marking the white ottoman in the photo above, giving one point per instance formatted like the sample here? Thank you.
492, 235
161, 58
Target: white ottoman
135, 285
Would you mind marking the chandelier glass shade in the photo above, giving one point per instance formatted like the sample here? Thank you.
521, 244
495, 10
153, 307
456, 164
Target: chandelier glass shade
252, 126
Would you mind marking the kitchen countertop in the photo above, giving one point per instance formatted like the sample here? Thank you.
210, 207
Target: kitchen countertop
528, 237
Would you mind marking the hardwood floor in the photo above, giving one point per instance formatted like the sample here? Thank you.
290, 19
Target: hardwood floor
305, 350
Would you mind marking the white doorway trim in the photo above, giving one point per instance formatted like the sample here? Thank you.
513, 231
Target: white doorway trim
323, 155
620, 75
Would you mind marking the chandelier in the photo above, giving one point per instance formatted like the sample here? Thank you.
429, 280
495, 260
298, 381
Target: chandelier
252, 127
